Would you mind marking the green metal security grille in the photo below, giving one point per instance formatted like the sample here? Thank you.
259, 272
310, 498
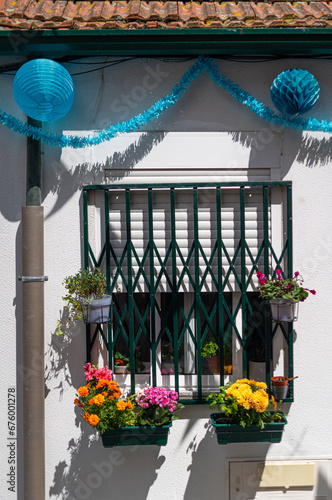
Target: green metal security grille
181, 263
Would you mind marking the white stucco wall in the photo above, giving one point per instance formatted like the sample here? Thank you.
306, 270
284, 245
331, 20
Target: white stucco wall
192, 466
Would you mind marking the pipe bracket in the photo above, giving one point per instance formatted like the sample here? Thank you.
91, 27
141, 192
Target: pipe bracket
32, 279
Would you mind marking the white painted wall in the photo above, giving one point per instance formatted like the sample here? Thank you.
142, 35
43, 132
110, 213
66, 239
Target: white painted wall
192, 466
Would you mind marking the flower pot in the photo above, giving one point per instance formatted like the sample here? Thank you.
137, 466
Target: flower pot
213, 364
96, 310
138, 435
284, 310
235, 433
120, 369
279, 387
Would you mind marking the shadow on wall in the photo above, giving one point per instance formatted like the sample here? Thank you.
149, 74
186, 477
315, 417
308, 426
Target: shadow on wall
123, 162
94, 471
65, 182
261, 142
315, 152
104, 473
198, 486
59, 180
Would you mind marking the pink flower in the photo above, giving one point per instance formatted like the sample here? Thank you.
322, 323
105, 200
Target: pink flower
313, 292
103, 373
262, 281
296, 274
278, 272
260, 275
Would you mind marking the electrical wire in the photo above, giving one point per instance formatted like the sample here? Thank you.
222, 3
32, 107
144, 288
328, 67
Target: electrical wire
8, 69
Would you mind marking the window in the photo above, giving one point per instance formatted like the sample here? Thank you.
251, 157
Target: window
181, 263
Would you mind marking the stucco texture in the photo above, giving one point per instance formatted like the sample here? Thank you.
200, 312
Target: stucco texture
192, 466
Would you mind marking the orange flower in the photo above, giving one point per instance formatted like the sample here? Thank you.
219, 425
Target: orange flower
83, 391
94, 419
112, 385
117, 395
87, 416
101, 383
75, 401
119, 362
130, 405
104, 394
121, 405
97, 400
111, 398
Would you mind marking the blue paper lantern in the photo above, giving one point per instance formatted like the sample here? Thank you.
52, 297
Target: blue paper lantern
44, 90
294, 91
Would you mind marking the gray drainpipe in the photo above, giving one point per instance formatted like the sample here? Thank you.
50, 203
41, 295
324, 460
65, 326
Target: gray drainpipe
33, 326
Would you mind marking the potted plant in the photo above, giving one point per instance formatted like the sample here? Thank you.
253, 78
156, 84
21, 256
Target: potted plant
244, 414
280, 387
85, 298
211, 351
141, 419
121, 363
283, 295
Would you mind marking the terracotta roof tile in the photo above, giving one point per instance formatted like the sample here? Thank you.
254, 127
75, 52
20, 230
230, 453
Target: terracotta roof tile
136, 14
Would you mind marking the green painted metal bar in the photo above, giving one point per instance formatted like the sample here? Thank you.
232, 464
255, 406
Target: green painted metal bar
92, 187
220, 309
267, 319
151, 256
86, 265
243, 277
174, 292
33, 170
107, 246
197, 295
130, 294
290, 274
152, 290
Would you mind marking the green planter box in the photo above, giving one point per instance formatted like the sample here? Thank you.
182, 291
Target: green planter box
133, 436
234, 433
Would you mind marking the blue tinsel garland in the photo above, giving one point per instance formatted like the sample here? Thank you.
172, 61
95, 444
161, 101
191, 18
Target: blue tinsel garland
135, 123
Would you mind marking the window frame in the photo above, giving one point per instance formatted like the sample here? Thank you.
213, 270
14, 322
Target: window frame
271, 329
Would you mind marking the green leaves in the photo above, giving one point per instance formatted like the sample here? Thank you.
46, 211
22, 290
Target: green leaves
86, 284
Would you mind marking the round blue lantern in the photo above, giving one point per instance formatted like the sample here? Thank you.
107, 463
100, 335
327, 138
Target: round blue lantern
44, 90
294, 91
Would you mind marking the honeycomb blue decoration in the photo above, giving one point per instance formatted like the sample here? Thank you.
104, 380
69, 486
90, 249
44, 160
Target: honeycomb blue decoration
44, 90
294, 92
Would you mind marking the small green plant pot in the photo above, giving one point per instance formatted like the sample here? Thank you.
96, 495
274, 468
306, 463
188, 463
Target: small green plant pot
234, 433
138, 435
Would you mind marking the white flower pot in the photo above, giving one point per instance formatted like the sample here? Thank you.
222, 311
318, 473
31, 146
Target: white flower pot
284, 310
97, 310
120, 369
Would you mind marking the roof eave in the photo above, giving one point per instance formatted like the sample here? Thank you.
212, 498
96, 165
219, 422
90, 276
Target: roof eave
168, 42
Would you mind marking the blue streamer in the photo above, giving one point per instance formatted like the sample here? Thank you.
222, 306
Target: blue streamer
136, 122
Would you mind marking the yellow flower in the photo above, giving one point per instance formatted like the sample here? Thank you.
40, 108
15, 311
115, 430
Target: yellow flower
260, 385
83, 391
259, 400
274, 403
